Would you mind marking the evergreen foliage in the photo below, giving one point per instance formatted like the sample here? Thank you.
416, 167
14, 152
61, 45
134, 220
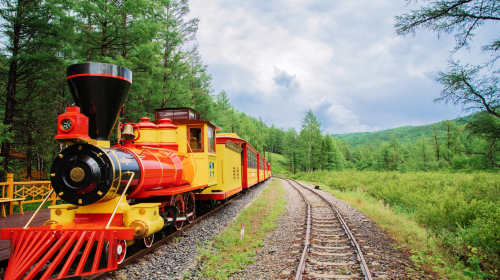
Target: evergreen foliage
155, 39
448, 145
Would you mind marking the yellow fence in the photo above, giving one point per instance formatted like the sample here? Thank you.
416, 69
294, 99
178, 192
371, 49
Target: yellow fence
32, 192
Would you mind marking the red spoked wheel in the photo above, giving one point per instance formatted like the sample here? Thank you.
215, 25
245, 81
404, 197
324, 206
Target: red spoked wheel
179, 204
147, 241
190, 207
121, 250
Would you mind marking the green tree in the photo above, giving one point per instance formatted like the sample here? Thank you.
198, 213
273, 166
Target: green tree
436, 141
291, 140
451, 140
474, 88
310, 140
424, 156
333, 159
32, 32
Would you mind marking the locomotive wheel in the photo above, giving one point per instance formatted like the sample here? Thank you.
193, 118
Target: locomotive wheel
121, 250
179, 204
147, 241
190, 206
213, 204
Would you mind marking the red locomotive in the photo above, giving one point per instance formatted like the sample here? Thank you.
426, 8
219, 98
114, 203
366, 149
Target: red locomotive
122, 194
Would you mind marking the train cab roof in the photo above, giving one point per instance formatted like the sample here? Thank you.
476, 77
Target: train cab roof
182, 115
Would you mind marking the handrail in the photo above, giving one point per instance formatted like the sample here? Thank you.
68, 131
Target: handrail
26, 183
119, 177
38, 210
144, 148
194, 160
121, 197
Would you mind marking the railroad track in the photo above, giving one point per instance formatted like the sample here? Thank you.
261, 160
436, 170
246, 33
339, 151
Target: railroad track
328, 248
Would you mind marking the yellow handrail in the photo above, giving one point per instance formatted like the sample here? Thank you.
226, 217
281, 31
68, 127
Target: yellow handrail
121, 197
38, 210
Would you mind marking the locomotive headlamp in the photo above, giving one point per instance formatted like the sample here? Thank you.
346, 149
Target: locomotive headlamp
66, 124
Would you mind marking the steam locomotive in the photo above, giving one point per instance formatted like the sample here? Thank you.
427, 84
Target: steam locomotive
118, 195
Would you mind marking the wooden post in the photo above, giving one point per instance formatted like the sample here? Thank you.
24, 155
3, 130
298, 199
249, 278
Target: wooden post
53, 198
10, 193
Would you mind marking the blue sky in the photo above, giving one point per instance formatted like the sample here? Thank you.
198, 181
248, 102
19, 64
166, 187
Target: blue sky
342, 59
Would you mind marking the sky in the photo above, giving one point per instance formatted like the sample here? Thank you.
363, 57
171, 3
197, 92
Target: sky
341, 59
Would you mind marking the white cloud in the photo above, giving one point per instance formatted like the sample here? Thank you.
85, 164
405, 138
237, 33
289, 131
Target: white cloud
335, 117
277, 59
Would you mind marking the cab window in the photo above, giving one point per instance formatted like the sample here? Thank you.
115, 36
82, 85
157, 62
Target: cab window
211, 139
195, 138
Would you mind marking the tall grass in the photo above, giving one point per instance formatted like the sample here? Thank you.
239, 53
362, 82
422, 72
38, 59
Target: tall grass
460, 211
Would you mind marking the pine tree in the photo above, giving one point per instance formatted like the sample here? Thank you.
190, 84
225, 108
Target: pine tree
424, 155
451, 140
32, 31
337, 161
291, 139
310, 140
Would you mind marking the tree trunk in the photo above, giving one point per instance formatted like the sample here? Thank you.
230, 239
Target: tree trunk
88, 44
104, 39
29, 144
124, 24
10, 101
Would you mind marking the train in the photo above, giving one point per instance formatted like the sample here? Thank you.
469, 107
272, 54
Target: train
155, 177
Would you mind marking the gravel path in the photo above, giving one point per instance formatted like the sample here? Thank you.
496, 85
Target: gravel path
177, 260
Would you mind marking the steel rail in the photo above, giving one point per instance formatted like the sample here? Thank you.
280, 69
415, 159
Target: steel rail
361, 259
307, 242
162, 241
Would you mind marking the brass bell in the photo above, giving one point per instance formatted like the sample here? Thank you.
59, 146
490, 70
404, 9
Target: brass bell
128, 132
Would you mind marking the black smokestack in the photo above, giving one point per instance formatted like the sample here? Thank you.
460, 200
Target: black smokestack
99, 89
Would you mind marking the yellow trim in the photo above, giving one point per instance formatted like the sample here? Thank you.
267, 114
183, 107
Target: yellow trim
63, 213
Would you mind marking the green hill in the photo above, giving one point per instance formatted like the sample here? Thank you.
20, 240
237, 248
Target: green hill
404, 134
278, 163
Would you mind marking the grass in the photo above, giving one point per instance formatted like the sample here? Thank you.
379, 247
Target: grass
449, 222
228, 254
31, 206
279, 164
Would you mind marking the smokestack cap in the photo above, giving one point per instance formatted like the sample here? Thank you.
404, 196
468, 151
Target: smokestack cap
99, 89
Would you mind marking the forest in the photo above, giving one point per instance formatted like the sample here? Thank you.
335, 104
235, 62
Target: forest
155, 39
449, 145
